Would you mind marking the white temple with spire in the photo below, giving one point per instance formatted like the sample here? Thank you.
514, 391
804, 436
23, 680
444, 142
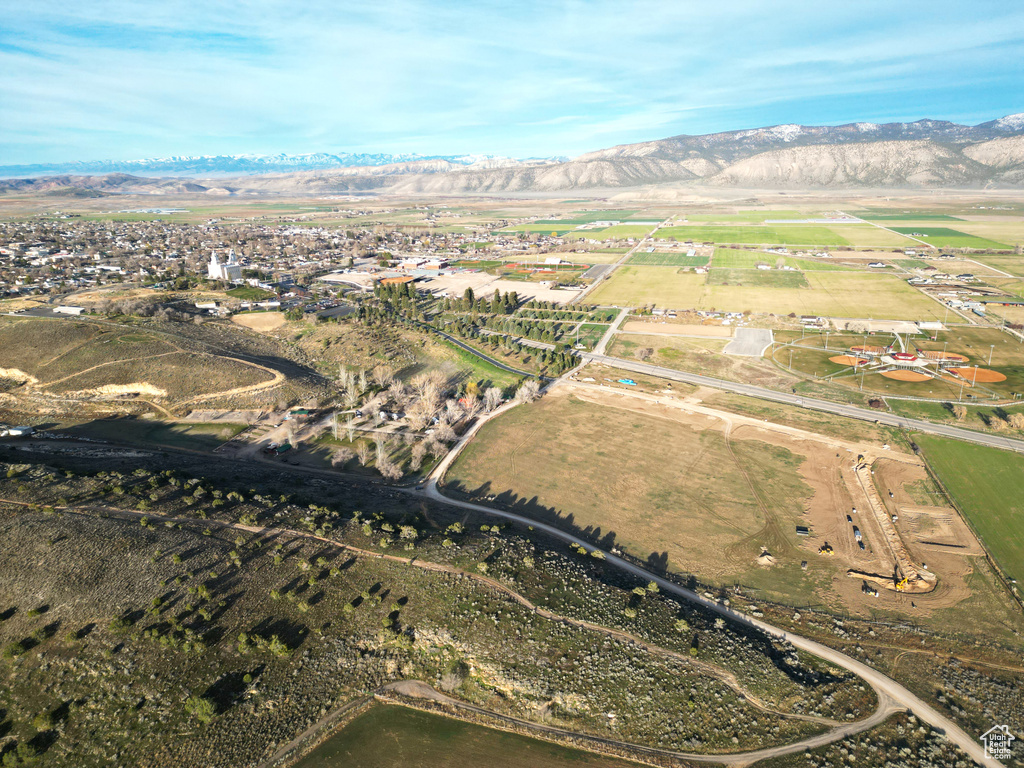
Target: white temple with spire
231, 271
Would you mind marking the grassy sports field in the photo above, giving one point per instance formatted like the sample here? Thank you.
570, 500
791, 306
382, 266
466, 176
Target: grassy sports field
389, 735
830, 294
992, 500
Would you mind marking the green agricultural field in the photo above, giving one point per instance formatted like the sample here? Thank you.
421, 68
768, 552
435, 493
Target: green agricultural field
657, 259
890, 214
988, 487
588, 217
943, 237
754, 217
830, 294
734, 258
797, 234
618, 232
869, 236
757, 278
389, 735
556, 230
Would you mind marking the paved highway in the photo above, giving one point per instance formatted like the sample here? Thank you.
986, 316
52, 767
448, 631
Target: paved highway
800, 401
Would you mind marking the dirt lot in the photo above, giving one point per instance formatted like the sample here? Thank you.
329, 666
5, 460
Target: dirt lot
712, 491
484, 284
677, 329
260, 321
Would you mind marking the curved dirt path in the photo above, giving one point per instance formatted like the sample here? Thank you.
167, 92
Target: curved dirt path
890, 693
278, 379
416, 689
886, 704
45, 384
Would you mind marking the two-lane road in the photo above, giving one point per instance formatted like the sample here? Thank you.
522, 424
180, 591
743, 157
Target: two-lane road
800, 401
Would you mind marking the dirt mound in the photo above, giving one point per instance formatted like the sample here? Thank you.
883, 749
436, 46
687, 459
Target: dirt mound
118, 390
906, 375
18, 375
983, 375
848, 360
765, 558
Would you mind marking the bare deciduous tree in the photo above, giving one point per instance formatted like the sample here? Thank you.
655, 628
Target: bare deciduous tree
492, 399
383, 376
363, 452
419, 452
960, 412
644, 352
471, 405
342, 456
444, 433
528, 391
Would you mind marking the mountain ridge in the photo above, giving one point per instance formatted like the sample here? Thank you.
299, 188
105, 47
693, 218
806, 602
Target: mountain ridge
924, 153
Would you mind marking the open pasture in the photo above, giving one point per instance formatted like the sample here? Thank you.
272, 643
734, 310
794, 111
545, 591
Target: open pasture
734, 258
658, 479
589, 217
752, 217
618, 232
389, 735
829, 294
757, 278
944, 237
665, 259
796, 234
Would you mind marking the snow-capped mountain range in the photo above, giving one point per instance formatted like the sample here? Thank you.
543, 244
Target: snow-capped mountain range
925, 153
205, 165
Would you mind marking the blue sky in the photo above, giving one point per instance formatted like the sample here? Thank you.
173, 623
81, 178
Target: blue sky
109, 79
